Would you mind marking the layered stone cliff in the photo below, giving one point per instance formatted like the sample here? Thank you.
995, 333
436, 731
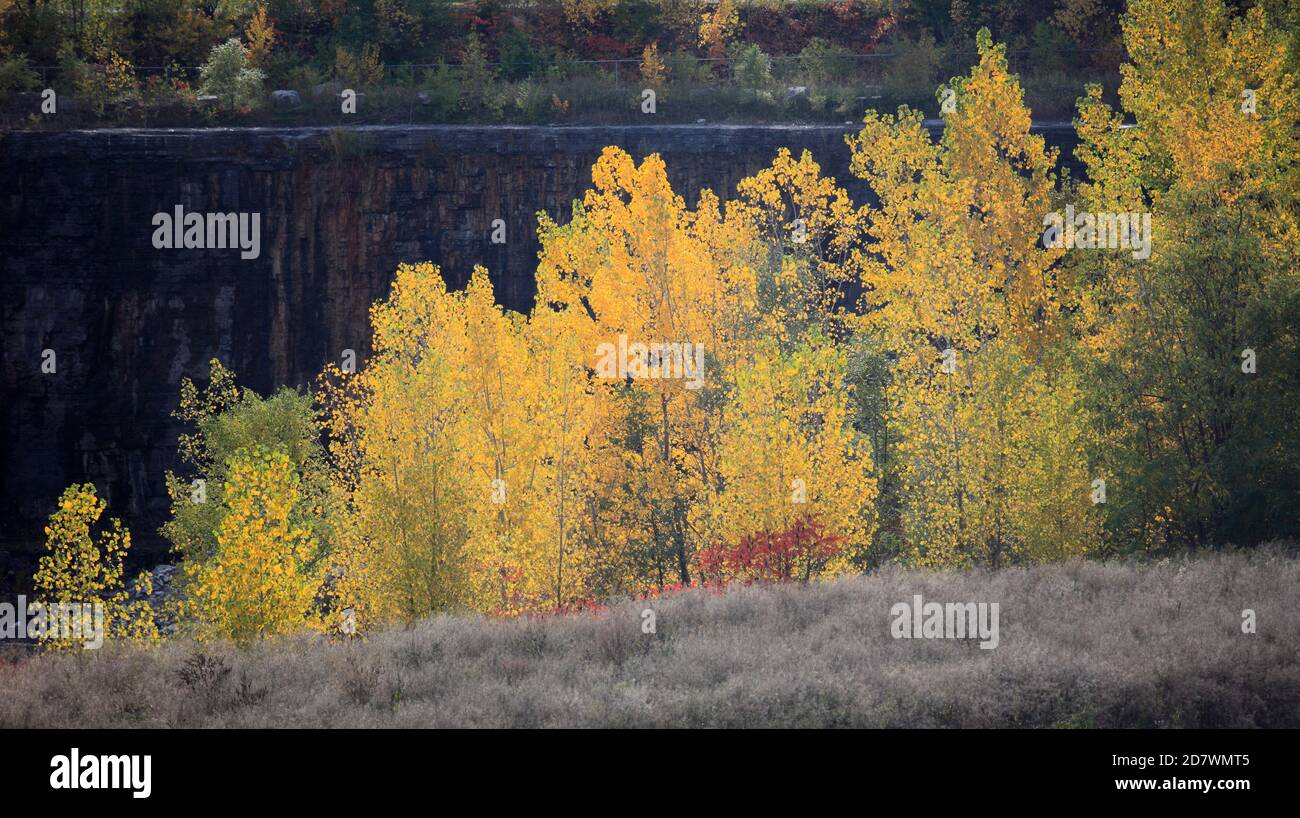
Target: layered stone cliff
339, 209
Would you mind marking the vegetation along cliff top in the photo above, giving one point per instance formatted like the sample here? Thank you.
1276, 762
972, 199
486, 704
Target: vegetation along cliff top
248, 62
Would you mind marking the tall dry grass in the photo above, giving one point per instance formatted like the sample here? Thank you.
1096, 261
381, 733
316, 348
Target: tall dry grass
1081, 645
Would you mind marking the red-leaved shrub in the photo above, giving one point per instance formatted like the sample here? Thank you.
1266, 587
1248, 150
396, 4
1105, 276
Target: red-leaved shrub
796, 553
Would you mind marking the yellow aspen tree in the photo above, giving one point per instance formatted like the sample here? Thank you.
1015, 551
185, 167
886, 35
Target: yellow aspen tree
260, 37
84, 565
565, 410
1229, 137
1211, 130
265, 574
1212, 162
654, 73
636, 269
808, 229
469, 413
718, 26
994, 463
955, 249
1049, 435
502, 449
788, 451
1226, 141
961, 293
395, 430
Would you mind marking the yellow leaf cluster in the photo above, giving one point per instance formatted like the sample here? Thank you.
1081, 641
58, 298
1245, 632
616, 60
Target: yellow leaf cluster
262, 580
84, 566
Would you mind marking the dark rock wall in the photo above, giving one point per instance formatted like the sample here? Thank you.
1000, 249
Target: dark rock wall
339, 211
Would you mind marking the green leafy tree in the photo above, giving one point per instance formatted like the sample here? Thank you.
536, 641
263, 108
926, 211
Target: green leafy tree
751, 68
1197, 346
225, 420
228, 75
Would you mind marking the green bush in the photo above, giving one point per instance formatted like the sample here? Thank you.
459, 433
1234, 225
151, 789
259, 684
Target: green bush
822, 63
517, 55
530, 101
301, 77
1051, 48
283, 421
441, 92
685, 69
227, 76
481, 90
74, 73
15, 76
914, 70
751, 68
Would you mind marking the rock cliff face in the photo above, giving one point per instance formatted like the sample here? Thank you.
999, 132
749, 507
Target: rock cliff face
339, 209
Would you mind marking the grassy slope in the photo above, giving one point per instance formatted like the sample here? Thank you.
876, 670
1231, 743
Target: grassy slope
1082, 644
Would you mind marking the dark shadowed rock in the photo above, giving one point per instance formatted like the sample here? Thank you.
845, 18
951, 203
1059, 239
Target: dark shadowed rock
285, 99
326, 89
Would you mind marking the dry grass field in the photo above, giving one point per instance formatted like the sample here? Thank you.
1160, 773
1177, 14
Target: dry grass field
1082, 644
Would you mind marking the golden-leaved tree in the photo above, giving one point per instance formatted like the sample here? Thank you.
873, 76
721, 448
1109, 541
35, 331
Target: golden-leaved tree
1195, 345
401, 485
788, 451
808, 230
266, 571
462, 447
634, 268
565, 411
84, 565
527, 410
966, 300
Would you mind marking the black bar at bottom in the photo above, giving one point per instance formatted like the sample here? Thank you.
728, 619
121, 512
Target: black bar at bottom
530, 769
